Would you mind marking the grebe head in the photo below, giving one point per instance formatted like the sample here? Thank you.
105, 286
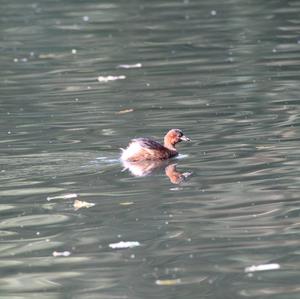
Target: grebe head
174, 136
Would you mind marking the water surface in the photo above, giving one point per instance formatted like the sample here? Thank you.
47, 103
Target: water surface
79, 79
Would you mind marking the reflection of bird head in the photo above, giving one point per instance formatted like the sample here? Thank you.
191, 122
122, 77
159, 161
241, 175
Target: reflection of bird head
175, 176
144, 168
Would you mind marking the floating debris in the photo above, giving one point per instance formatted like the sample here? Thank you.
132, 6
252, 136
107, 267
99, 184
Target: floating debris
49, 56
78, 204
262, 147
74, 51
110, 78
129, 66
167, 282
265, 267
125, 111
126, 203
63, 196
61, 253
123, 245
108, 132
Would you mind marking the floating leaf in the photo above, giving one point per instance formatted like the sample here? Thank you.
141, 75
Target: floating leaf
127, 203
167, 282
125, 111
78, 204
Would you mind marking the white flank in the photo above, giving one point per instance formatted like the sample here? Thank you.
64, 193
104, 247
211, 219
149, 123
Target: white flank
132, 149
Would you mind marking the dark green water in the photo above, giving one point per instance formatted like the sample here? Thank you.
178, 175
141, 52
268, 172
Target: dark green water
225, 72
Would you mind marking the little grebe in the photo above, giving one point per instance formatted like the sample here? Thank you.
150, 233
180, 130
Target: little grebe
140, 149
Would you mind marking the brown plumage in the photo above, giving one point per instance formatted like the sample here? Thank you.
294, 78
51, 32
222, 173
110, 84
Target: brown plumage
140, 149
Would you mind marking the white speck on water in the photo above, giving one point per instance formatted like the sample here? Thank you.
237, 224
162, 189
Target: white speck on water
263, 267
76, 100
132, 256
24, 59
74, 51
175, 189
108, 132
86, 18
274, 50
213, 12
9, 132
130, 66
123, 245
38, 233
147, 84
110, 78
31, 53
63, 196
63, 253
16, 59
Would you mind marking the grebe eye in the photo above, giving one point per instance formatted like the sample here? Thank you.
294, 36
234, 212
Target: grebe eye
178, 133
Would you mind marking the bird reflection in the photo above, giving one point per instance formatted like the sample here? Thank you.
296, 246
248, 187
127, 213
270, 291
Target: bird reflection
145, 168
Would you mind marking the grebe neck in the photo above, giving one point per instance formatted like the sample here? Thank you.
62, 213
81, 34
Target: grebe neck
169, 145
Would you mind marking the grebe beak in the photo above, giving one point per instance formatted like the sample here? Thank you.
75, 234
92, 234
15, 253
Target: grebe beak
184, 138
